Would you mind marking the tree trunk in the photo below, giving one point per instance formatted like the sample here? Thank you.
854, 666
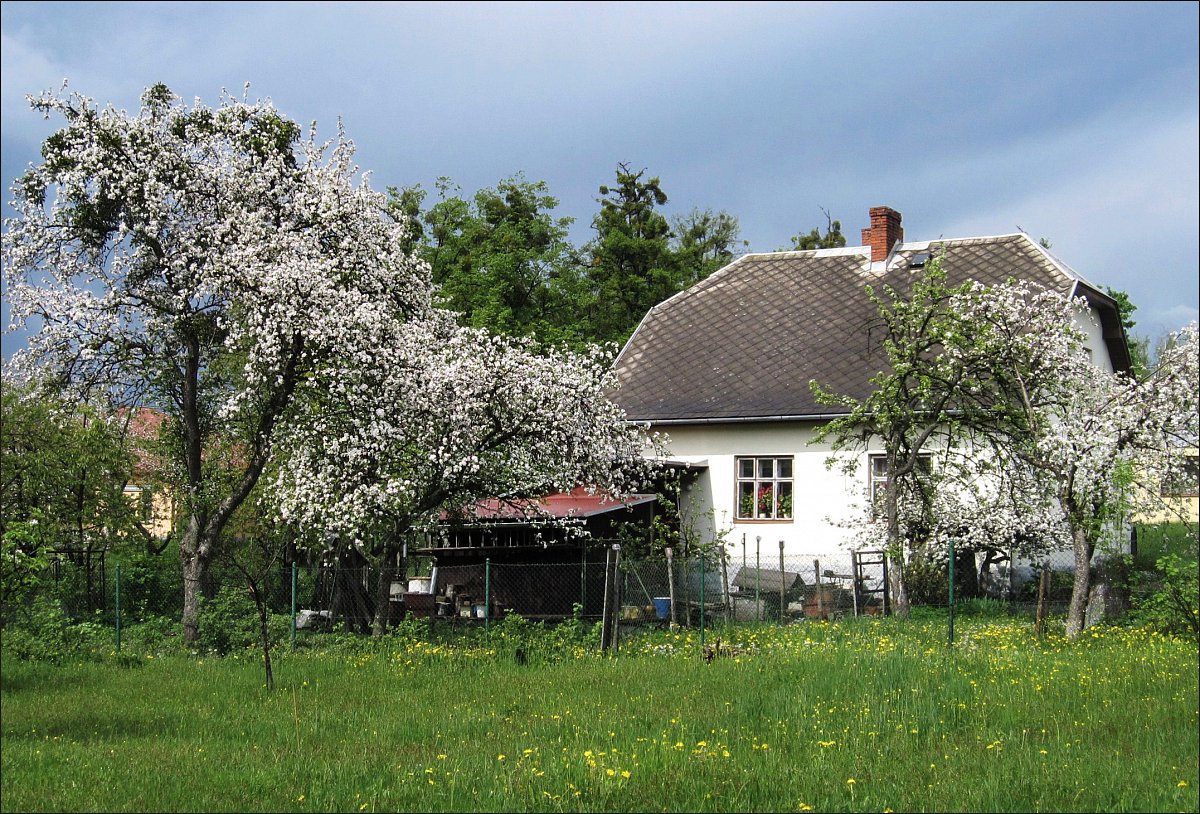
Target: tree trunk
1083, 548
265, 631
194, 555
383, 594
899, 597
897, 549
264, 628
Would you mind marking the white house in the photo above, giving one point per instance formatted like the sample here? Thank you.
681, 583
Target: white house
723, 369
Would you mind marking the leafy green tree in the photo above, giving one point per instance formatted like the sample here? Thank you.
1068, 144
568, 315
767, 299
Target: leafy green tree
832, 239
67, 465
633, 265
501, 259
704, 242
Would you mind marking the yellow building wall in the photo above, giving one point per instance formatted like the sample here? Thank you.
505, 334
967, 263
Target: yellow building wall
1178, 504
157, 511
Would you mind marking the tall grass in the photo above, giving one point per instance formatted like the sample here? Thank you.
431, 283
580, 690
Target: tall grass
862, 715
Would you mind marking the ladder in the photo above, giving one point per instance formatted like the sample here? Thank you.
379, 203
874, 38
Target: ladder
864, 560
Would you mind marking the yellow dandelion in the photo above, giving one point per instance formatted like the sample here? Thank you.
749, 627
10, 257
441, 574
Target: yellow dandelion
499, 757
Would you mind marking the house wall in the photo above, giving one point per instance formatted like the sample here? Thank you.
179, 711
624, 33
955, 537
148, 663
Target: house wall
160, 519
1178, 505
821, 496
1094, 342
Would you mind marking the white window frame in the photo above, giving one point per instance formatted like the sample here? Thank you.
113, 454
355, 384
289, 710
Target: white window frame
776, 473
877, 477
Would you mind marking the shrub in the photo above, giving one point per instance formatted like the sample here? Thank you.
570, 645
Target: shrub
151, 586
228, 621
1172, 602
155, 635
48, 634
926, 582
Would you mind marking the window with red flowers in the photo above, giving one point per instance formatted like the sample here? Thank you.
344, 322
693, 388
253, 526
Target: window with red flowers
764, 488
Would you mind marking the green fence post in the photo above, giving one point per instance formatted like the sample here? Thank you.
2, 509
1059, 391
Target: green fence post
293, 605
487, 593
951, 593
117, 601
701, 601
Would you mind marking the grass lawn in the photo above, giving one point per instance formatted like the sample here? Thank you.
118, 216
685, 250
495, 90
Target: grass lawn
859, 715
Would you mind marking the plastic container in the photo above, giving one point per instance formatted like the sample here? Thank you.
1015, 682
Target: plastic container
662, 607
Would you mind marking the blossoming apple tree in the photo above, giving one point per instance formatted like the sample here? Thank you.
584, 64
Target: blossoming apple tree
214, 264
1038, 448
438, 417
202, 261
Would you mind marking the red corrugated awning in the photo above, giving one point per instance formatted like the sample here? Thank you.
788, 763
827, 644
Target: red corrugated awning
578, 503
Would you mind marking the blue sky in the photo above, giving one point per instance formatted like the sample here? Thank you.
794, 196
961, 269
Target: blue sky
1077, 122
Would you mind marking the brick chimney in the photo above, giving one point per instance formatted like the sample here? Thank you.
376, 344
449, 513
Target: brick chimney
885, 232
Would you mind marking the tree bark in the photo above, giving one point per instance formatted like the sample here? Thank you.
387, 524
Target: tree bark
195, 559
899, 597
896, 546
1083, 548
383, 594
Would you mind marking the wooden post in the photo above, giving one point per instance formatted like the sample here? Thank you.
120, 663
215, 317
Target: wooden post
820, 590
1043, 589
782, 587
671, 583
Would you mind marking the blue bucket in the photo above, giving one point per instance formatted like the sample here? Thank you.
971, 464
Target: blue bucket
662, 606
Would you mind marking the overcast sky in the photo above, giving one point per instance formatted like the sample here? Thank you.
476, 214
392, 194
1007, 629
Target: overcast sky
1076, 122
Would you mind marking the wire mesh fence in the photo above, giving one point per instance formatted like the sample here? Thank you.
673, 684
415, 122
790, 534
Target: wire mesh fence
141, 598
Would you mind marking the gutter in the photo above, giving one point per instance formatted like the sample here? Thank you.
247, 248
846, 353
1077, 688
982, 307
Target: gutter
738, 419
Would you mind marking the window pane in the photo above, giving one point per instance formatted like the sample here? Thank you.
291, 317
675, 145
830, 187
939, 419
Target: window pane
745, 467
766, 467
879, 466
785, 500
766, 500
745, 500
785, 467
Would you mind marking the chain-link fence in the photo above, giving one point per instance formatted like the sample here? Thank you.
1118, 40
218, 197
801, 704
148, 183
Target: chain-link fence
140, 597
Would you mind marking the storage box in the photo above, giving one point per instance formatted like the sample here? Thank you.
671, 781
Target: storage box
419, 604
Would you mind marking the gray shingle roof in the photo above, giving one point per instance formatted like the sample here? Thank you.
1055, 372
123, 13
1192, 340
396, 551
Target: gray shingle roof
745, 342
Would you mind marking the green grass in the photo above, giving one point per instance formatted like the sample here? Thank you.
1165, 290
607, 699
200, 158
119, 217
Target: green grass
862, 715
1161, 539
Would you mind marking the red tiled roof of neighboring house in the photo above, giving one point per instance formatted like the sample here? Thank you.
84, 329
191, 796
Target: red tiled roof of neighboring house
576, 504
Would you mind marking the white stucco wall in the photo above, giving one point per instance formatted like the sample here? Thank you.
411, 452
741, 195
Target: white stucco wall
820, 495
1095, 340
